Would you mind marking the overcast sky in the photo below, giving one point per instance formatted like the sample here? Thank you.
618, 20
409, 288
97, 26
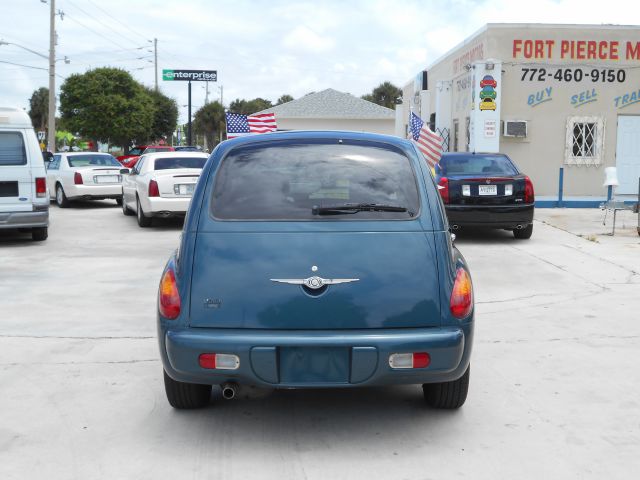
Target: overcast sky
262, 48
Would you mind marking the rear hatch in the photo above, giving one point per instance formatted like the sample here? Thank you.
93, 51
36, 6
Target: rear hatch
16, 181
396, 280
282, 213
177, 183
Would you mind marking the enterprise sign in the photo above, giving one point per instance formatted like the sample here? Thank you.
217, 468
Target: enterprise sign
190, 75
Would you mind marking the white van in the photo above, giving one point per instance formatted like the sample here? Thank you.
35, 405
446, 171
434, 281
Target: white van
24, 200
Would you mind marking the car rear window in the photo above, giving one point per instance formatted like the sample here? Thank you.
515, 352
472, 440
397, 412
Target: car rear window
92, 160
476, 164
157, 149
169, 163
12, 151
286, 181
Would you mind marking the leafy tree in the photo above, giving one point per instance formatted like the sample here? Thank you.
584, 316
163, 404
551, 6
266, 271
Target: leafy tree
247, 107
284, 99
107, 105
209, 121
39, 108
165, 115
384, 94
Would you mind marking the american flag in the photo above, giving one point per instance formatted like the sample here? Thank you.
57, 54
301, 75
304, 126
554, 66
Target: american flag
428, 142
239, 125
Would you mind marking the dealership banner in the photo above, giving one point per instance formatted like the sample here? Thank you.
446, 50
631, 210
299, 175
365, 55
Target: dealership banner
484, 125
171, 75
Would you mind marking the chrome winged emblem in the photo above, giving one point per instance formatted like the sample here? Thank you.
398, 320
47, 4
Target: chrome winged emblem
314, 283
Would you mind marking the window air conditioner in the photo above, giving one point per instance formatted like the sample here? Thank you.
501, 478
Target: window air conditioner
515, 128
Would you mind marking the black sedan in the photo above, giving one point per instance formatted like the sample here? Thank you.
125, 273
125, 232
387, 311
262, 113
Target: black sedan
486, 190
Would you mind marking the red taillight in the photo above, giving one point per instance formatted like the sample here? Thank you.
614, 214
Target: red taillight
421, 360
41, 187
529, 196
410, 360
207, 360
168, 298
462, 295
153, 189
443, 188
77, 178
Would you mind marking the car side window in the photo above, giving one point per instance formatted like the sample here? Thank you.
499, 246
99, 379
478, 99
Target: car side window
139, 165
55, 163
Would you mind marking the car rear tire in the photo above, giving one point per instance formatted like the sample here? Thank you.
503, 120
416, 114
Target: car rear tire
524, 233
126, 210
142, 220
39, 234
61, 199
186, 395
447, 395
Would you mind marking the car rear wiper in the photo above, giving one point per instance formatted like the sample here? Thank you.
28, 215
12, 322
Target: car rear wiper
351, 208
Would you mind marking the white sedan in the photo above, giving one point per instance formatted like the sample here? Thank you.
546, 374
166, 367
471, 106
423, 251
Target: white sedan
84, 176
161, 185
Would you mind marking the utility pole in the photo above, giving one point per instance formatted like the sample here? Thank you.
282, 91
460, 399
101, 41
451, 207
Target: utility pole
189, 123
51, 140
155, 56
206, 93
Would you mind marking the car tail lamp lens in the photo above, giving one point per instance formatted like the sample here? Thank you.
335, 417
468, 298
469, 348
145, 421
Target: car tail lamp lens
462, 295
508, 190
219, 361
169, 299
529, 196
153, 189
443, 188
41, 187
77, 178
409, 360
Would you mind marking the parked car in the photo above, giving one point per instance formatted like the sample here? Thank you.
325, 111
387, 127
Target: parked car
84, 176
315, 259
486, 190
129, 160
161, 185
23, 187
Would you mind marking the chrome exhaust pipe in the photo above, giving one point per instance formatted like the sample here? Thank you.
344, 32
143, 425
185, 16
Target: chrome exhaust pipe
229, 390
519, 227
455, 227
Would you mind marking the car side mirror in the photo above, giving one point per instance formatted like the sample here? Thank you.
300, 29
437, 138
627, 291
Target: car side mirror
125, 170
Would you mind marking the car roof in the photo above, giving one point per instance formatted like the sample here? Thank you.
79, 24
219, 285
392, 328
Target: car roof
316, 134
467, 154
83, 153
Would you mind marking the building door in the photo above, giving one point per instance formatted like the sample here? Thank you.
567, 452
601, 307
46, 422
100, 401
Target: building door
628, 154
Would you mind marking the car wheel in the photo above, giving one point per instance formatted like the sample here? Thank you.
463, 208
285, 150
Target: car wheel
61, 198
186, 395
119, 201
524, 233
448, 395
142, 220
125, 209
39, 234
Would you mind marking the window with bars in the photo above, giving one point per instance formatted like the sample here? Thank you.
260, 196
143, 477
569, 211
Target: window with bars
585, 140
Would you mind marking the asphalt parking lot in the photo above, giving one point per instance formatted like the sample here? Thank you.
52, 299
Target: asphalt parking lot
554, 392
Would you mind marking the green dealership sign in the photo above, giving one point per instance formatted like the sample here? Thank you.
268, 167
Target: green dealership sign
171, 75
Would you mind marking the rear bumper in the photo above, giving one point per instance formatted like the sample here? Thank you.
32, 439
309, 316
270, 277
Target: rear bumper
97, 192
303, 359
25, 219
166, 207
491, 216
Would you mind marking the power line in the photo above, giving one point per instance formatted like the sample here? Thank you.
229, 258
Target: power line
94, 32
118, 22
100, 21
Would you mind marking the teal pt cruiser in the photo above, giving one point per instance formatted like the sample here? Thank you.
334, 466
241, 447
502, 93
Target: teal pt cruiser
315, 260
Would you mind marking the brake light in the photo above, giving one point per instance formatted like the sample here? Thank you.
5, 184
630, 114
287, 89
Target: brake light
169, 298
219, 361
409, 360
529, 196
443, 188
41, 187
462, 295
153, 189
77, 178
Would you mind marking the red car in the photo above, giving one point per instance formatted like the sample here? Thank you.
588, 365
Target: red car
130, 160
488, 81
